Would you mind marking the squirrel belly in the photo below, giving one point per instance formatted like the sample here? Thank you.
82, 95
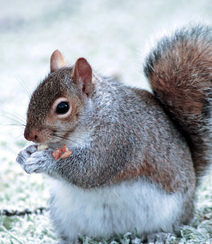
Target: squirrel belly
113, 210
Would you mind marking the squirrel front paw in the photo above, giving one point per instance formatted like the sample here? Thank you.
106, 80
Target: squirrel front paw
34, 161
39, 162
25, 153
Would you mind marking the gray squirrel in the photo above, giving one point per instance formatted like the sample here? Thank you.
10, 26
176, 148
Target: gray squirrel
137, 157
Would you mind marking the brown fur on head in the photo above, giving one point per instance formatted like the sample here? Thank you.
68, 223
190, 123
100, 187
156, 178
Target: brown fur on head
66, 85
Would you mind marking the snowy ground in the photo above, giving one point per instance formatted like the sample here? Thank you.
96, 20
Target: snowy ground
113, 37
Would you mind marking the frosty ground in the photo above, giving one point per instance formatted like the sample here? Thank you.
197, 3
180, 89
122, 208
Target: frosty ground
113, 36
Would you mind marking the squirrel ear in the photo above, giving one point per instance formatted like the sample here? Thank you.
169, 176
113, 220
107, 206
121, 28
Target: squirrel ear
82, 76
57, 61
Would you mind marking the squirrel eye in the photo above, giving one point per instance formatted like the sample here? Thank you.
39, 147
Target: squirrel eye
62, 108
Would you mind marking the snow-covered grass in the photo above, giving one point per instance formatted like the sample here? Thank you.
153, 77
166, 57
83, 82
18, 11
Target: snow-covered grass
113, 36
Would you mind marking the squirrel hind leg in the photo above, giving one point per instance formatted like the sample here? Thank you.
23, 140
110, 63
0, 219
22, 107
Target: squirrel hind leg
154, 237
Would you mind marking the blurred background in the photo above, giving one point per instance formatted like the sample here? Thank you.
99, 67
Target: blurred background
113, 36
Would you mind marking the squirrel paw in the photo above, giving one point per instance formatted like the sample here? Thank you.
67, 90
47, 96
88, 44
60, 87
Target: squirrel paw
34, 161
39, 162
25, 153
155, 237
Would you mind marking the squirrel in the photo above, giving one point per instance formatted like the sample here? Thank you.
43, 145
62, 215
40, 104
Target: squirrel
137, 156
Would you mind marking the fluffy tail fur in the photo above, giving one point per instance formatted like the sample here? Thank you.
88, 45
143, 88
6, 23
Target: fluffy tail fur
179, 70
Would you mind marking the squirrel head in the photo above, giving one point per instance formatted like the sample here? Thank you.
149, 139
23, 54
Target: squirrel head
56, 103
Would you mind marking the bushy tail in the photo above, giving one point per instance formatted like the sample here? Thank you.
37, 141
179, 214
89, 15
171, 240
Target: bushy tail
179, 70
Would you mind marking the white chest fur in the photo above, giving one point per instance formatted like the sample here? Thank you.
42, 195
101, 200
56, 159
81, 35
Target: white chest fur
107, 211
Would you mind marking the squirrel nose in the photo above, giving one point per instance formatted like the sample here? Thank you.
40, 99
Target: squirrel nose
30, 135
